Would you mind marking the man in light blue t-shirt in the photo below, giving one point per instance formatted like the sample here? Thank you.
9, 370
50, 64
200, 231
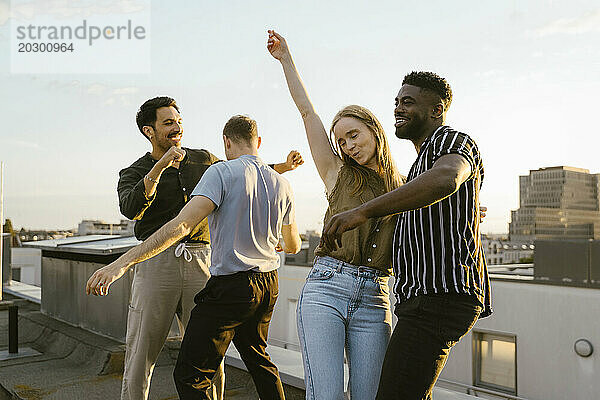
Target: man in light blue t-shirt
257, 201
248, 207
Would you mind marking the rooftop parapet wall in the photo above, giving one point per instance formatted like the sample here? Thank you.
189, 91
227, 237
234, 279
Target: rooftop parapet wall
67, 264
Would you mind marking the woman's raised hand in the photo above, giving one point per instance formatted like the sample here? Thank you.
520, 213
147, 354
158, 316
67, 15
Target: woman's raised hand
277, 45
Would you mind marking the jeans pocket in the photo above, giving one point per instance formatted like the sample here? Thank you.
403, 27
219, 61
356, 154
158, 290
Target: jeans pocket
320, 274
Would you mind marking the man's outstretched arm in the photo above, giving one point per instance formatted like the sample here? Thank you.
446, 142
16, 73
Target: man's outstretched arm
191, 215
443, 179
293, 161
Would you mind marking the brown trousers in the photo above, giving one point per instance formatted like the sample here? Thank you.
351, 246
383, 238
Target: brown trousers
163, 286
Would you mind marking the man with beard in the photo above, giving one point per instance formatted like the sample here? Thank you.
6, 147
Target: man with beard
152, 191
442, 285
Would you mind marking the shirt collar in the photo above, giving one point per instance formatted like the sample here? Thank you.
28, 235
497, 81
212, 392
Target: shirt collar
251, 157
426, 142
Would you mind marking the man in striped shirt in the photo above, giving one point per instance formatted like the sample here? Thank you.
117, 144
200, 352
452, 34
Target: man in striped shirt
442, 285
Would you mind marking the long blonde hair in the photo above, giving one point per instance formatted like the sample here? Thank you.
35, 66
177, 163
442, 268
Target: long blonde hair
386, 168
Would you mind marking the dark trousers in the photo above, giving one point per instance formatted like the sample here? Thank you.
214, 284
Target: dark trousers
428, 327
234, 307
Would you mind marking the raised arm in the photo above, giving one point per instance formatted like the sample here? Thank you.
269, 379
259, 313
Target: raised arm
328, 164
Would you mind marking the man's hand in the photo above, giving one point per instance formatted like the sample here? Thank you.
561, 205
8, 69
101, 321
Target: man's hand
172, 156
340, 223
294, 159
278, 248
101, 280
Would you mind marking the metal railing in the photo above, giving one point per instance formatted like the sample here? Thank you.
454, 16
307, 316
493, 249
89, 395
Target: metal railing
475, 390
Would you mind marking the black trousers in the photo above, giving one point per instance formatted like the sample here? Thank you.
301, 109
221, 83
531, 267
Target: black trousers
234, 307
428, 327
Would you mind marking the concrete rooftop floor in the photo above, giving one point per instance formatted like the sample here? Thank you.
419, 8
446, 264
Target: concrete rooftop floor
77, 364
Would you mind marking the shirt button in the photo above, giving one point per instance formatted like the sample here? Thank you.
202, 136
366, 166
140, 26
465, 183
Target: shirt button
184, 189
374, 245
368, 259
377, 230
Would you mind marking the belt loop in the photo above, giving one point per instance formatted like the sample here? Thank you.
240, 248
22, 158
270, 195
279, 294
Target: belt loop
340, 265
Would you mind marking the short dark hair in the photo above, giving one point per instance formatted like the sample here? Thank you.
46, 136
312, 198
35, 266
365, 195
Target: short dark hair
146, 115
241, 128
432, 82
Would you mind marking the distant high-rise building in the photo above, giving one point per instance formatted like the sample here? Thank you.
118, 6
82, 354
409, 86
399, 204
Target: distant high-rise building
557, 202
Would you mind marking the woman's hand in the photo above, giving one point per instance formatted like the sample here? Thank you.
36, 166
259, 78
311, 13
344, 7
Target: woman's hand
277, 45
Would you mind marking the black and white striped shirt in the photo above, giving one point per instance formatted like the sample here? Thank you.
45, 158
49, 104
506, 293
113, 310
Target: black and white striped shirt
437, 249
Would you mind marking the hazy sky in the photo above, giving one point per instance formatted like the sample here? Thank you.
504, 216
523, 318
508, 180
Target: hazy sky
525, 76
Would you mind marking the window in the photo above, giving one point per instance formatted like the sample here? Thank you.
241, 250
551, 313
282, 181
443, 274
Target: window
495, 361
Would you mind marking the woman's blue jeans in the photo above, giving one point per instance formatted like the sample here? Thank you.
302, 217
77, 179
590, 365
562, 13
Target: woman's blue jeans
343, 306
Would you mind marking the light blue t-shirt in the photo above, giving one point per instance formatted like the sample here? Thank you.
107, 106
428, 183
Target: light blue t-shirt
252, 202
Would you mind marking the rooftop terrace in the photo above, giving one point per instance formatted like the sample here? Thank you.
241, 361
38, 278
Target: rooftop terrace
82, 359
74, 363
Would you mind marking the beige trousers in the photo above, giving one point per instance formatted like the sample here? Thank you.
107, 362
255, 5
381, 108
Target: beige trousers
162, 287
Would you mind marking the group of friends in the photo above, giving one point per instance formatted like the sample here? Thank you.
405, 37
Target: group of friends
223, 285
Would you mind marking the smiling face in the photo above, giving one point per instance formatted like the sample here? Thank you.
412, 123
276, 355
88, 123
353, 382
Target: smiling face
357, 141
167, 130
416, 112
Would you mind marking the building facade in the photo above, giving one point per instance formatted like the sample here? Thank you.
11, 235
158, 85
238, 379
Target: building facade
499, 250
557, 202
540, 343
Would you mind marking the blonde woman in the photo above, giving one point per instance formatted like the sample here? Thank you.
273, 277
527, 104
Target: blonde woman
344, 304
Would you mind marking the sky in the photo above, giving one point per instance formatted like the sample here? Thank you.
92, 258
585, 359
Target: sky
525, 78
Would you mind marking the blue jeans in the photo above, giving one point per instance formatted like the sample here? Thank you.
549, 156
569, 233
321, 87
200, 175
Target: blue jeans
343, 306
